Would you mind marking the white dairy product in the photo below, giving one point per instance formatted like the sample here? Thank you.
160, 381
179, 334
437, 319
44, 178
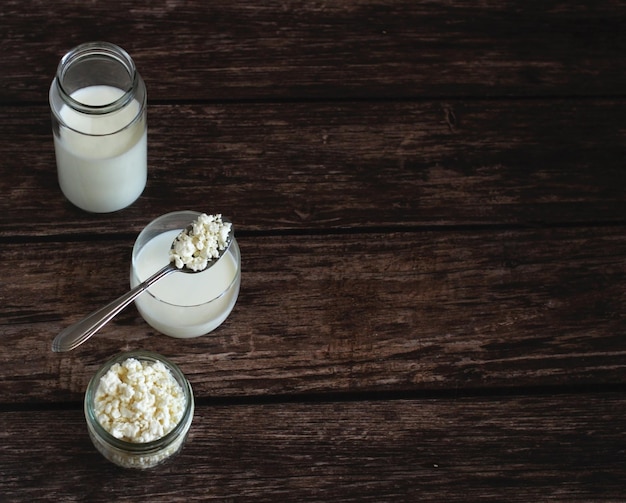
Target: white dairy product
185, 304
194, 248
139, 408
102, 159
139, 401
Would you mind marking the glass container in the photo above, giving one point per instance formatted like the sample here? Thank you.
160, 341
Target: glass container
99, 125
183, 305
137, 454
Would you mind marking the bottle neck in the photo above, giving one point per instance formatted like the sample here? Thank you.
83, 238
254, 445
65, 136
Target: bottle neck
98, 64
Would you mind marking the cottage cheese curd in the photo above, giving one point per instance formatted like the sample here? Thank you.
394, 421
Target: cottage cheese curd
139, 407
139, 401
194, 248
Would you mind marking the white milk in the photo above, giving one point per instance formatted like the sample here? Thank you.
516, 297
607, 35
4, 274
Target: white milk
185, 305
102, 159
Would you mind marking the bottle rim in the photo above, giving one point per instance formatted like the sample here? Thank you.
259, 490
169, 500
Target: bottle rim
103, 50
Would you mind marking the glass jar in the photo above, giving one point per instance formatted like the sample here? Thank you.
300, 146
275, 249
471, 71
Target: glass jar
137, 454
99, 125
183, 305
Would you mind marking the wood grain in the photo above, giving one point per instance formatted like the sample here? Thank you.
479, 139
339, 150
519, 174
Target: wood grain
276, 167
401, 311
228, 50
430, 201
518, 449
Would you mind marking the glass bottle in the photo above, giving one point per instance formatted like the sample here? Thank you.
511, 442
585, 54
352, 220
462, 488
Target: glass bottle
99, 124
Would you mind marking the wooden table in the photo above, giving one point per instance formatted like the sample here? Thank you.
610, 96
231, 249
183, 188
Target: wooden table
430, 200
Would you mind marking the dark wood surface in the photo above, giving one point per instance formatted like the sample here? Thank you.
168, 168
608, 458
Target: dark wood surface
430, 200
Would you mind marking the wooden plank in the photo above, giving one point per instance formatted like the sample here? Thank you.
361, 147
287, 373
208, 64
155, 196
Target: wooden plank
327, 165
345, 49
517, 449
399, 311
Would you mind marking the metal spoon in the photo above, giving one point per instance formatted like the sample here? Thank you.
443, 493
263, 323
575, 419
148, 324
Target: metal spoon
74, 335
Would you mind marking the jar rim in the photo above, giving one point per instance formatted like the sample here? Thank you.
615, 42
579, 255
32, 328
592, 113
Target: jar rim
139, 447
104, 50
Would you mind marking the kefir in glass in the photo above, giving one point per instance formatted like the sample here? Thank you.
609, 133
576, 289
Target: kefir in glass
183, 305
98, 103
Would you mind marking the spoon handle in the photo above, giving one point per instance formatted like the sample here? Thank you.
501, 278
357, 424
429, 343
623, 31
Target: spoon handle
74, 335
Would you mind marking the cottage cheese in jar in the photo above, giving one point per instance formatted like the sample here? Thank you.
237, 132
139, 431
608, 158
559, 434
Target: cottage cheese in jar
139, 408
